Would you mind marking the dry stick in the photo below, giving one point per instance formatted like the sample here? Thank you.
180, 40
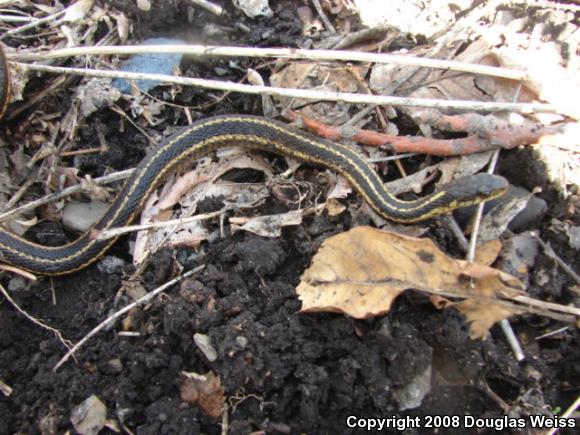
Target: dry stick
573, 407
304, 93
505, 325
116, 232
111, 178
552, 254
323, 17
389, 158
101, 149
30, 180
33, 24
37, 322
552, 333
209, 6
16, 19
109, 320
225, 420
278, 53
551, 306
518, 303
548, 5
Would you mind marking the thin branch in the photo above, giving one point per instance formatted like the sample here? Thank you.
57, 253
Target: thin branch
116, 232
33, 24
570, 411
552, 254
34, 320
279, 53
111, 178
506, 326
303, 93
323, 16
209, 6
109, 320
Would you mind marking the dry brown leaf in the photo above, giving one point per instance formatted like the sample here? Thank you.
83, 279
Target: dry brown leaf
482, 316
487, 252
188, 235
334, 207
206, 391
322, 77
497, 220
360, 273
180, 187
188, 190
267, 226
142, 240
341, 188
411, 183
78, 11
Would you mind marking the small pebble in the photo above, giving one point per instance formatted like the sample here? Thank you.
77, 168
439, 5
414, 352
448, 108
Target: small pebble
241, 341
16, 284
111, 264
112, 367
203, 342
80, 216
89, 417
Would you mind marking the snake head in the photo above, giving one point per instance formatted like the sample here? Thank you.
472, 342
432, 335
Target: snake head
475, 189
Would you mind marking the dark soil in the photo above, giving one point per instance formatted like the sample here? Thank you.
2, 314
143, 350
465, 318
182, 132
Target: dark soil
283, 372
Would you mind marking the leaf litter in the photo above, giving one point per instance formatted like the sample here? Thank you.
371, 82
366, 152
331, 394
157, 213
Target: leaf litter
304, 376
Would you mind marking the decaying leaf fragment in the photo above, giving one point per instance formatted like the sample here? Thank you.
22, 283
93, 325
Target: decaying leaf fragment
206, 391
360, 272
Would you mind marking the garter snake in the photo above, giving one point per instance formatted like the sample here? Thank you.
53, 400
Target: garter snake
250, 132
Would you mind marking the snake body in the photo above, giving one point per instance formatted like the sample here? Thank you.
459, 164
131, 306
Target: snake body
249, 132
207, 135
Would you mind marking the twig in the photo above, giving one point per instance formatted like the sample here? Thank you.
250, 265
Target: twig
504, 323
457, 232
116, 232
573, 407
30, 180
390, 158
282, 53
415, 144
490, 128
551, 306
209, 6
552, 333
111, 178
517, 304
33, 24
479, 212
109, 320
552, 254
37, 322
23, 273
225, 420
304, 93
16, 19
512, 340
323, 16
136, 126
548, 5
101, 149
363, 35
